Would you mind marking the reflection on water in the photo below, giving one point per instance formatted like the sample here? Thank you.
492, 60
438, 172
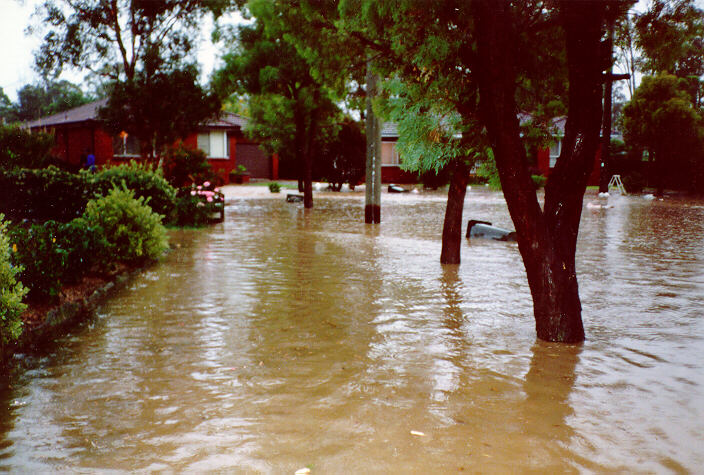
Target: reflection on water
286, 338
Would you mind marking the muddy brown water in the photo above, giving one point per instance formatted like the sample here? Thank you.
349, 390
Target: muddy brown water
284, 339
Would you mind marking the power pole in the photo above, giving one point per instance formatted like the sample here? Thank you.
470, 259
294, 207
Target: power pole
372, 205
609, 78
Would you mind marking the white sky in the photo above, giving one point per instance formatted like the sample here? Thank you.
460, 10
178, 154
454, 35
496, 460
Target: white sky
16, 53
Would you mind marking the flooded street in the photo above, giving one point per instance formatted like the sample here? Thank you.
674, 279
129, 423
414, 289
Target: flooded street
285, 338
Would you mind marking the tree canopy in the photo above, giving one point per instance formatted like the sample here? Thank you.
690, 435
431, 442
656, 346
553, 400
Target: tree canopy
42, 99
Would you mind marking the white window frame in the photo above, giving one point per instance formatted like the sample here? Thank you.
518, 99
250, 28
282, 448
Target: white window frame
553, 157
122, 147
213, 136
395, 156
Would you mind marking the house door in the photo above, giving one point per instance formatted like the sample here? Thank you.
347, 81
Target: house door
254, 159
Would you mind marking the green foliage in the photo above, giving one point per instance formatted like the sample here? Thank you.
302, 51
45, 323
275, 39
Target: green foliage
151, 35
342, 159
42, 257
132, 232
54, 194
196, 205
661, 119
487, 170
146, 182
39, 100
291, 109
159, 108
539, 180
185, 165
21, 148
274, 187
670, 35
11, 291
43, 194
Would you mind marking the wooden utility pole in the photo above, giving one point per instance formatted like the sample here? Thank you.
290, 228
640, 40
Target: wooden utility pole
609, 78
372, 205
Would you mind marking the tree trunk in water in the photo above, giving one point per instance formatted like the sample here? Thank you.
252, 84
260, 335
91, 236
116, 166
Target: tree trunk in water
452, 227
372, 194
546, 239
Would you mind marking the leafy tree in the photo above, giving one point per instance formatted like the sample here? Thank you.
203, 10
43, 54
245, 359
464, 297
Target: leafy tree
145, 48
114, 39
159, 108
289, 107
484, 52
661, 119
39, 100
5, 107
342, 159
22, 148
671, 38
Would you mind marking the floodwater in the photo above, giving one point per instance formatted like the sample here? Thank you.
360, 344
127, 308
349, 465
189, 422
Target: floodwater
284, 339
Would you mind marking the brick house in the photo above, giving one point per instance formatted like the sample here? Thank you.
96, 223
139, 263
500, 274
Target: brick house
79, 130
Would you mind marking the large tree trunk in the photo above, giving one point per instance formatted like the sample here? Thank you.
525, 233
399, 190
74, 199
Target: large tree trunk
452, 227
546, 240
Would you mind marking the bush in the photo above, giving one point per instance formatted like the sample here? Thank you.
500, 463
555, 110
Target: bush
11, 291
487, 169
24, 149
274, 187
145, 182
196, 205
184, 166
43, 259
82, 242
539, 181
43, 195
131, 231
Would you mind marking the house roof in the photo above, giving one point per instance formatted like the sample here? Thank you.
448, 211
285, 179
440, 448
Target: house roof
86, 112
389, 129
89, 112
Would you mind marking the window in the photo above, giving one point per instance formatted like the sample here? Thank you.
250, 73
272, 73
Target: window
125, 145
555, 150
214, 144
389, 154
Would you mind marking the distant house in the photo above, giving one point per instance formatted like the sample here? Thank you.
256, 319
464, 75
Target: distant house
79, 130
391, 171
547, 157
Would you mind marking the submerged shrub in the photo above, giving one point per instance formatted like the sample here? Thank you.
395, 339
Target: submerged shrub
11, 291
131, 231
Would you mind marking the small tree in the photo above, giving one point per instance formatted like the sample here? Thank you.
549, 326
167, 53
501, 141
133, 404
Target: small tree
342, 159
662, 119
159, 108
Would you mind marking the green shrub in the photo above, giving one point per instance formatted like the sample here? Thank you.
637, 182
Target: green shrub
43, 194
11, 291
539, 181
184, 166
487, 170
82, 242
196, 205
274, 187
132, 232
145, 182
42, 258
21, 148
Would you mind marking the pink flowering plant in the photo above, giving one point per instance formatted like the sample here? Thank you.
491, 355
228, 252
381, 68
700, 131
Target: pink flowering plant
200, 204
